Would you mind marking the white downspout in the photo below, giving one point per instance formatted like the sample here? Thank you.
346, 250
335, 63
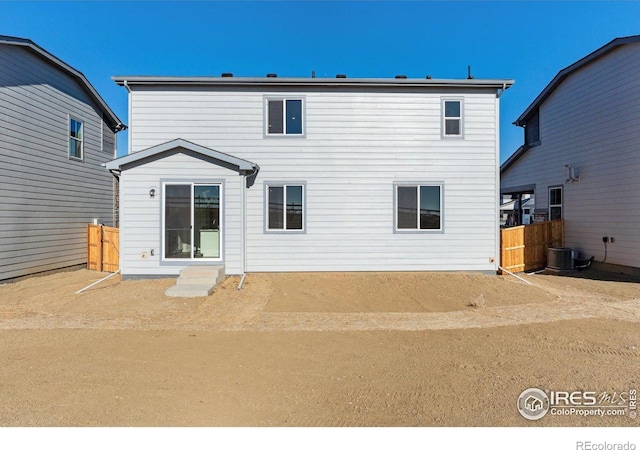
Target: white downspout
501, 91
496, 201
244, 224
122, 181
129, 108
244, 230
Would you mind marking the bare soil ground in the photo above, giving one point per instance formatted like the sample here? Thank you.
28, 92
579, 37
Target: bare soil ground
326, 349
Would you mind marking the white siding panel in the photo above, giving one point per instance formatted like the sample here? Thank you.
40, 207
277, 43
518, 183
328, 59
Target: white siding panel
356, 145
591, 122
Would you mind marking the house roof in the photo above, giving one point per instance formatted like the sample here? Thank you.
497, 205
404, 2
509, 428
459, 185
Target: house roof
564, 73
559, 78
313, 82
511, 204
514, 157
110, 116
180, 145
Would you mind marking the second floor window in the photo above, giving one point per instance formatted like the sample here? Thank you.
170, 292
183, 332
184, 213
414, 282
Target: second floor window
452, 118
284, 117
75, 138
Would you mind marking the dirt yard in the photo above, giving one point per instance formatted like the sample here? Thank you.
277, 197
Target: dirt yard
330, 349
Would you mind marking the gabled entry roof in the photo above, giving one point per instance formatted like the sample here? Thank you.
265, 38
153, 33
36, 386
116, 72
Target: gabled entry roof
179, 145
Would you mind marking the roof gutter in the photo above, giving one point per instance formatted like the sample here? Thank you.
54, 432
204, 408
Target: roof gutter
128, 81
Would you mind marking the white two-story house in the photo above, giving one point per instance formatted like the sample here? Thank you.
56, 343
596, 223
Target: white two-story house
310, 174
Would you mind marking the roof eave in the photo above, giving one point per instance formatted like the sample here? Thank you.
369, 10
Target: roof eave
514, 157
120, 163
309, 82
113, 120
564, 73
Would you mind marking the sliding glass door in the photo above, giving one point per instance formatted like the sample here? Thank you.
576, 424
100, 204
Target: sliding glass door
192, 226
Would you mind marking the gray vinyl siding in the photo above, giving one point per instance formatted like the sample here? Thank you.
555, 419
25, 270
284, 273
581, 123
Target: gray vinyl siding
591, 121
357, 144
46, 199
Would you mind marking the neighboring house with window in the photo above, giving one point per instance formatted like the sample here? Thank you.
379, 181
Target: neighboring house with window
309, 174
56, 132
581, 155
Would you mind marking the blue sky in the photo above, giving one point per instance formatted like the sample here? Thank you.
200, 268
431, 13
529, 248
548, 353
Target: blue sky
526, 41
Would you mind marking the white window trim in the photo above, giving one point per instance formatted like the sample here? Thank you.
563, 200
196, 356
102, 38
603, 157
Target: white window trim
69, 137
284, 185
417, 229
443, 118
284, 133
556, 205
191, 260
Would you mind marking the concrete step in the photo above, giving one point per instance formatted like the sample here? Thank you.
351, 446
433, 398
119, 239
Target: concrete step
216, 273
190, 290
196, 280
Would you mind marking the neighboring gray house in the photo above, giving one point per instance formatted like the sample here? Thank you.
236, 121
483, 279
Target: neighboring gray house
581, 155
309, 174
515, 212
56, 132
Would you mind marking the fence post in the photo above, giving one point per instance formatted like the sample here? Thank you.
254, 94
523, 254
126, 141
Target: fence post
89, 247
502, 251
99, 256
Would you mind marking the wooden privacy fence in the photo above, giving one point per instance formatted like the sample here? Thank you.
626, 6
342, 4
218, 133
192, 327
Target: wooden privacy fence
525, 247
103, 248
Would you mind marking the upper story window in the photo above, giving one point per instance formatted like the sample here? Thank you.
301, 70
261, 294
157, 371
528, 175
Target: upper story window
285, 207
532, 130
76, 137
284, 117
452, 117
419, 207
